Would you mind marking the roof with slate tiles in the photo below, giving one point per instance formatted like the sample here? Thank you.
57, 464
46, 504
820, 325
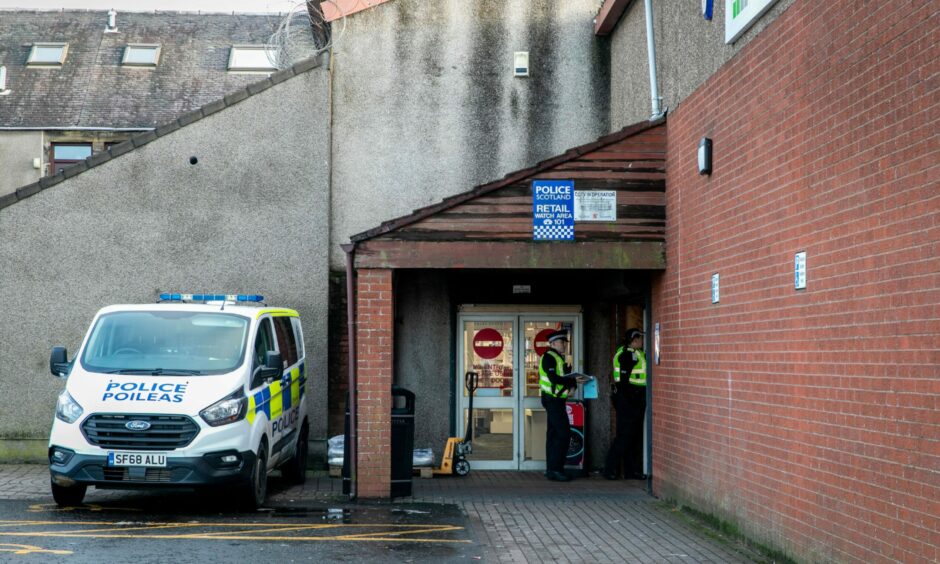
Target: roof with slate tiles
92, 89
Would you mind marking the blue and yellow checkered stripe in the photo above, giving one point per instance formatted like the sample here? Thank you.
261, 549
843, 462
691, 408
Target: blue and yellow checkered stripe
274, 400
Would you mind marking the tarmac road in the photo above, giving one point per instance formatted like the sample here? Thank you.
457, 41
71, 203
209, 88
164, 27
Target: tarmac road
151, 527
487, 516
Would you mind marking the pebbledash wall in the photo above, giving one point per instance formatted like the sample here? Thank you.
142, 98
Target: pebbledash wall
809, 418
143, 218
425, 104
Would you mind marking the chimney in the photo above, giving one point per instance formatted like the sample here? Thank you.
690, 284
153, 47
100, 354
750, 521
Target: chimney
112, 22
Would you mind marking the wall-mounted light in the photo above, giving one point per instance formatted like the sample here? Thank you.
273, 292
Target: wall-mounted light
705, 156
37, 163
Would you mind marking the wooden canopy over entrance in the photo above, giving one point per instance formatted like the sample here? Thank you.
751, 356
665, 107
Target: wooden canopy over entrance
491, 225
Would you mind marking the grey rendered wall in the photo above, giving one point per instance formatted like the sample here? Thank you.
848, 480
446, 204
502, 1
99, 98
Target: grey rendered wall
689, 49
17, 151
426, 105
250, 216
423, 335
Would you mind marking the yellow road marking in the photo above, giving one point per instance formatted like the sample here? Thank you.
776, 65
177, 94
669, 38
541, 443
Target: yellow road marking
43, 507
386, 532
431, 529
146, 527
4, 523
275, 529
29, 549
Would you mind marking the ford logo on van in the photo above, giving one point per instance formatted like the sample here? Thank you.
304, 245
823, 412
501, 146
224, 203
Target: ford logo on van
137, 425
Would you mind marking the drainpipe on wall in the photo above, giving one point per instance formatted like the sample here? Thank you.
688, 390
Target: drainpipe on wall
352, 445
651, 53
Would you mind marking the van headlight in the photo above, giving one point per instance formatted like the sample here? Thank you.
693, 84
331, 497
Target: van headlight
227, 410
67, 409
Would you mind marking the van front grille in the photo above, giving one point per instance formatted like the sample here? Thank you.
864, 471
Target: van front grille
161, 475
166, 432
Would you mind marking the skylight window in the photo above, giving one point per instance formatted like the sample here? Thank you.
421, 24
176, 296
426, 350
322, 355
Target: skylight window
47, 54
136, 55
252, 58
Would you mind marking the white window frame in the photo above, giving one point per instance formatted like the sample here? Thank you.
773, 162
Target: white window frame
32, 61
141, 47
235, 66
735, 26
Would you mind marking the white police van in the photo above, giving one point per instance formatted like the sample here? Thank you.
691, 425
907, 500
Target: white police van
197, 390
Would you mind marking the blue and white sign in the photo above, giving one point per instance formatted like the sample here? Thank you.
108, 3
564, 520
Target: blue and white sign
553, 210
799, 271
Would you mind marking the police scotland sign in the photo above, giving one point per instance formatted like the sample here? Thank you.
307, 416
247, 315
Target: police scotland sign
553, 210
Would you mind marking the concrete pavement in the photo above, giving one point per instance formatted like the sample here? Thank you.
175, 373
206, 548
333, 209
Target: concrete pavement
514, 516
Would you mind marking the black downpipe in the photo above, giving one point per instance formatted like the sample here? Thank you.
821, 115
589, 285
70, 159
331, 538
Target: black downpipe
649, 384
350, 250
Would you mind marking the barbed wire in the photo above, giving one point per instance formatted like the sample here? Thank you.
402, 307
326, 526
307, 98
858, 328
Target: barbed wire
290, 41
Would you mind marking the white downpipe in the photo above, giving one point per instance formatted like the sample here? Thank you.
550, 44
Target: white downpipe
651, 52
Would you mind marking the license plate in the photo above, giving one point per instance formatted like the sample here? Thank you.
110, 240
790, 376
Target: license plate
147, 459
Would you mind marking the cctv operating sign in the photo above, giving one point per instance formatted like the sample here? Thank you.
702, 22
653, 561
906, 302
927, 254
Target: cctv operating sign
553, 210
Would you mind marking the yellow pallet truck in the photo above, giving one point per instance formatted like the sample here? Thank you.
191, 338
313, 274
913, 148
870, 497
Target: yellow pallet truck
455, 460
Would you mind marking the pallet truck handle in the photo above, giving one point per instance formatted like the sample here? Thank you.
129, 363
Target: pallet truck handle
471, 380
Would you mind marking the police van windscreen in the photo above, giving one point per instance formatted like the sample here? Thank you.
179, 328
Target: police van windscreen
166, 342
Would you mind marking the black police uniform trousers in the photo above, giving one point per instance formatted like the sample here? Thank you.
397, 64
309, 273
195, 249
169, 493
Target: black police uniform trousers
630, 404
558, 436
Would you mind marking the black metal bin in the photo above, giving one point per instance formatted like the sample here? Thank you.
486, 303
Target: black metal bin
403, 440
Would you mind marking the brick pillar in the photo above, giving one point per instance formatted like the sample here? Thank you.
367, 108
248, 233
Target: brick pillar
374, 347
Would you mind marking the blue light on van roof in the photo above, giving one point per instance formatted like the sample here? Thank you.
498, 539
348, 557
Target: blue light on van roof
255, 298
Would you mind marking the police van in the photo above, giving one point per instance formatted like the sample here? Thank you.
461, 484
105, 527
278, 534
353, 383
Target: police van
196, 390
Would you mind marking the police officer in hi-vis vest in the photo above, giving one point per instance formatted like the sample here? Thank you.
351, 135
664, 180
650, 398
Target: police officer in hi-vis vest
555, 385
630, 403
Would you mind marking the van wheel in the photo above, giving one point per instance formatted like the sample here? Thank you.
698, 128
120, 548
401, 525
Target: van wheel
295, 469
66, 496
257, 487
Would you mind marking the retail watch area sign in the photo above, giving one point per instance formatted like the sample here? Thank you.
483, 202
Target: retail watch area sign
553, 210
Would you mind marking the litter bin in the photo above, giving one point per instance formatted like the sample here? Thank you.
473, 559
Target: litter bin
403, 439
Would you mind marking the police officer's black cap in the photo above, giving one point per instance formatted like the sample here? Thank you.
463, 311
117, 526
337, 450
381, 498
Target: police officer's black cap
557, 335
632, 334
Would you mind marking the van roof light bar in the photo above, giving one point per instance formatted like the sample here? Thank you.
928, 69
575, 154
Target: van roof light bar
206, 298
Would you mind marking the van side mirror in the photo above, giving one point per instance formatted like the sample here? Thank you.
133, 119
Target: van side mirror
58, 362
272, 366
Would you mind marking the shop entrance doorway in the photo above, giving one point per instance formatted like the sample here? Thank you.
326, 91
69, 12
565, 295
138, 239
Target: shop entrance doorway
504, 347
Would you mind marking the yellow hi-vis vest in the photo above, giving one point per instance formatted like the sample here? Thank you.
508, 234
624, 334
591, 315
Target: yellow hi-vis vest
638, 373
545, 384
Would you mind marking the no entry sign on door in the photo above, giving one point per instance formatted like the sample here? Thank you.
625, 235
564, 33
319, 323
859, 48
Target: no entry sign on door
488, 343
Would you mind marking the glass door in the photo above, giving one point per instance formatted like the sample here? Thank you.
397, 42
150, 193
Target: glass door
509, 422
486, 347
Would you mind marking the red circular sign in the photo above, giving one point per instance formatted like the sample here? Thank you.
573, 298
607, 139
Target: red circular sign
541, 341
488, 343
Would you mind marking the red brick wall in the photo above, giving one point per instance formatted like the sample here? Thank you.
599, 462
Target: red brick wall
374, 362
810, 418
